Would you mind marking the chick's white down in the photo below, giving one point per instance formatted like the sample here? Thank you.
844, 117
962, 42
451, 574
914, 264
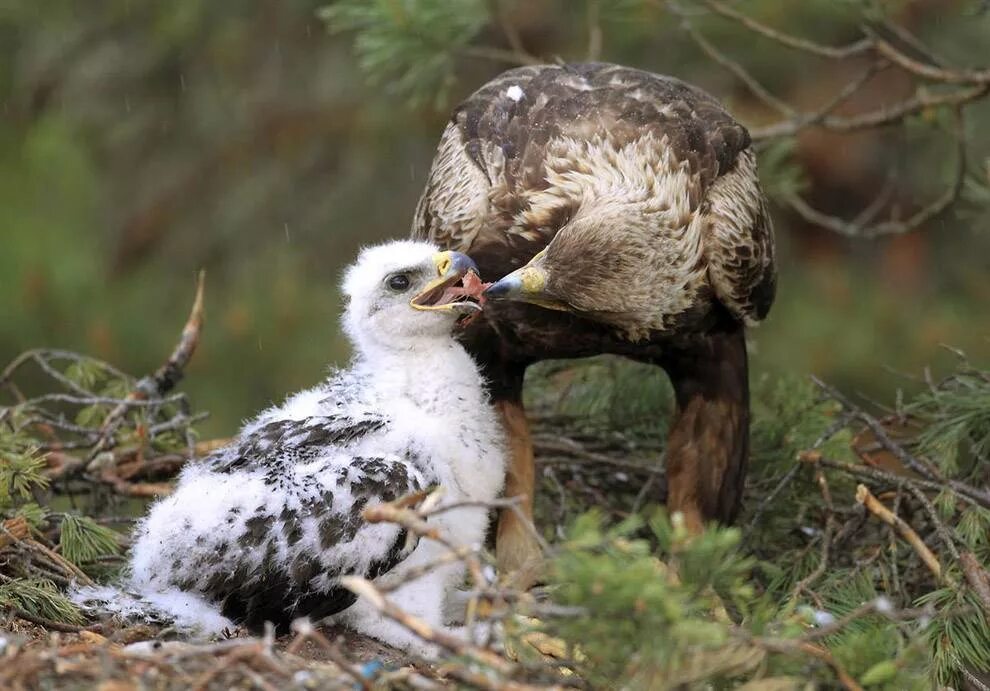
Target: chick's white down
264, 528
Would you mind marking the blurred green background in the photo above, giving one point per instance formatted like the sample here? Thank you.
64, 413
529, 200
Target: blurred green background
141, 141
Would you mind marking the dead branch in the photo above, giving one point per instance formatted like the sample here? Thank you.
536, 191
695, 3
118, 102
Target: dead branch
166, 377
977, 577
931, 478
877, 508
305, 631
51, 624
366, 589
969, 86
801, 44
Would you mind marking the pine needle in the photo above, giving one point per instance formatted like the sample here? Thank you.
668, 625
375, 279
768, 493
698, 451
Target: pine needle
82, 540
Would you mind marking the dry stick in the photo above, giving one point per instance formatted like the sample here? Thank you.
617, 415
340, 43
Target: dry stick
787, 128
878, 430
791, 647
51, 624
979, 80
871, 607
58, 376
932, 478
977, 577
920, 69
513, 504
55, 557
940, 528
885, 115
305, 631
498, 55
364, 588
878, 509
412, 521
755, 87
878, 475
804, 45
546, 444
511, 33
894, 227
805, 582
166, 377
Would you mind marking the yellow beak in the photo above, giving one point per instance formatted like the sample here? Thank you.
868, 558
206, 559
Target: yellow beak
527, 284
451, 268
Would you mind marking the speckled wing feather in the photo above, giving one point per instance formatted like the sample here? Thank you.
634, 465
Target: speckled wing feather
492, 191
292, 492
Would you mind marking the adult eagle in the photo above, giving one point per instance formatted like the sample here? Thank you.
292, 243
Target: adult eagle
623, 209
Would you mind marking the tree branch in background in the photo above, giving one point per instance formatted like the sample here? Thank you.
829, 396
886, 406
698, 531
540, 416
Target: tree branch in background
165, 378
976, 83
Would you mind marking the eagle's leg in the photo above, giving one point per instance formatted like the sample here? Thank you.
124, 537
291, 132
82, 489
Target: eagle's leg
708, 446
517, 552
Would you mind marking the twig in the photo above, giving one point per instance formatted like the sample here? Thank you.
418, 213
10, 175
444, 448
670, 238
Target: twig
413, 521
877, 508
925, 71
883, 476
977, 577
511, 33
166, 377
894, 227
787, 128
51, 624
805, 582
940, 528
305, 631
366, 589
832, 52
791, 647
878, 430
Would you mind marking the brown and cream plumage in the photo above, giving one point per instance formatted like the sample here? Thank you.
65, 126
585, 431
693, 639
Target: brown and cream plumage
624, 212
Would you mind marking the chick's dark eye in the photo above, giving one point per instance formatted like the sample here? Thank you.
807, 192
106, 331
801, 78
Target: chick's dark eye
398, 283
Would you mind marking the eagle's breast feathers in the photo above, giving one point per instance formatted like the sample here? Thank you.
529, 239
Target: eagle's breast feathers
543, 148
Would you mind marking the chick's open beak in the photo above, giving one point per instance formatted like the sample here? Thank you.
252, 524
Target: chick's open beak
526, 284
444, 292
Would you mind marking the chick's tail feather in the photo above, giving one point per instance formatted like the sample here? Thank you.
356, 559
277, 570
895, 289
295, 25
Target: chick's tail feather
186, 612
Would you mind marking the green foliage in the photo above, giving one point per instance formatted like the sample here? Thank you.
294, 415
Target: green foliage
83, 540
39, 598
956, 416
603, 391
638, 579
780, 175
957, 640
410, 45
790, 416
20, 467
86, 372
643, 618
32, 513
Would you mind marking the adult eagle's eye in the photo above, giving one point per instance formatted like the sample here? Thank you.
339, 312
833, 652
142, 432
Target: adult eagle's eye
398, 283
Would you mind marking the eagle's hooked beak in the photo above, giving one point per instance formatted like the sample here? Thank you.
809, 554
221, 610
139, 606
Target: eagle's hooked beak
526, 284
451, 267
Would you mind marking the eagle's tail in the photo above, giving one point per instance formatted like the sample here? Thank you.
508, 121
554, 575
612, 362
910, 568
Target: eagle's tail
186, 612
708, 448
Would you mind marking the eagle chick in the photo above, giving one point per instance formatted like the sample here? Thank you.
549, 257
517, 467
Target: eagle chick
264, 529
